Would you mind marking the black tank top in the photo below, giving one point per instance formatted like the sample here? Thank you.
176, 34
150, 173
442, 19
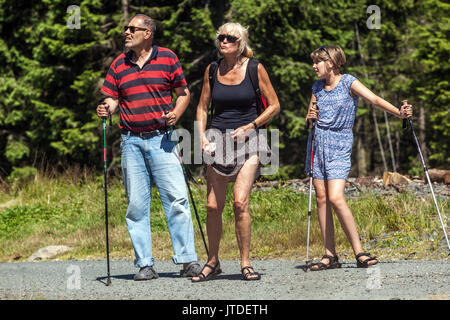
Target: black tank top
234, 105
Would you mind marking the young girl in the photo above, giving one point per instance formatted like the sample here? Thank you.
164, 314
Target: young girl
337, 95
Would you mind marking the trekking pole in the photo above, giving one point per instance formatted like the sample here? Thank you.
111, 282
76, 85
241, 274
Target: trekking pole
405, 102
108, 281
186, 178
310, 186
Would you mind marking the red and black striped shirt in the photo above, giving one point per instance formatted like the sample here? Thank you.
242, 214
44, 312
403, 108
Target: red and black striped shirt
144, 93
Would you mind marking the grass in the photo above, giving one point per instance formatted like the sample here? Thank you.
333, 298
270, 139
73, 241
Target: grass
68, 209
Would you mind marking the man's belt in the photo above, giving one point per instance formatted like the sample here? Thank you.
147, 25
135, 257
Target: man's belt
144, 134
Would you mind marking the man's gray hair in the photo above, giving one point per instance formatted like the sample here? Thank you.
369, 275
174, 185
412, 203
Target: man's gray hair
148, 22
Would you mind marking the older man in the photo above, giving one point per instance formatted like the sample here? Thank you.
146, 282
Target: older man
140, 83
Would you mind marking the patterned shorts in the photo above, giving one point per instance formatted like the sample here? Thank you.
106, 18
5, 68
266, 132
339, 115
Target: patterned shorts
230, 155
332, 153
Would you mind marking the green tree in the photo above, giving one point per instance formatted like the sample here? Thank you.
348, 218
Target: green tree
51, 71
50, 80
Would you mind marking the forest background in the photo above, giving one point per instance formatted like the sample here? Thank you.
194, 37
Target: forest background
54, 56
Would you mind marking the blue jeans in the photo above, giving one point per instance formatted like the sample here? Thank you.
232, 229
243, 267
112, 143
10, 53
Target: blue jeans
148, 160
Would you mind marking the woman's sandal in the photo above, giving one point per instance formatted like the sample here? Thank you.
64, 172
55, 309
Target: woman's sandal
247, 276
215, 271
334, 263
365, 263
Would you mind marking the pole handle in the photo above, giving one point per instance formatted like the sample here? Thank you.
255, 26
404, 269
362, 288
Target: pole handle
104, 103
166, 112
314, 107
405, 121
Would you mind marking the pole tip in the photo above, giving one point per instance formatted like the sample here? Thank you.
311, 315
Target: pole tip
307, 265
404, 102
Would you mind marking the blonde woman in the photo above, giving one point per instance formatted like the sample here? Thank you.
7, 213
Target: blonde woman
337, 95
236, 118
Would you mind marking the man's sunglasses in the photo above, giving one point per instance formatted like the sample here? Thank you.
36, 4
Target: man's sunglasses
325, 49
132, 29
229, 38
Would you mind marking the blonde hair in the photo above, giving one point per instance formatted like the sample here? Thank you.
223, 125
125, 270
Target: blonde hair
237, 30
334, 53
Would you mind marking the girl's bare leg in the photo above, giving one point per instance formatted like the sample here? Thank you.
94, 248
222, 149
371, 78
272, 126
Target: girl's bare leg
324, 213
337, 199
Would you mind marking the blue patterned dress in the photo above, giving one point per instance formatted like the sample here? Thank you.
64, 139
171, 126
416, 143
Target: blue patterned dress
333, 133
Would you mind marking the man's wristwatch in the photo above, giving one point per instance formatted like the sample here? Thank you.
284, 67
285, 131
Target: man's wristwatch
254, 124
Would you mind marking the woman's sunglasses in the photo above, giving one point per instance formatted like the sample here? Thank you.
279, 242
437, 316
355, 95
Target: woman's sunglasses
229, 38
132, 29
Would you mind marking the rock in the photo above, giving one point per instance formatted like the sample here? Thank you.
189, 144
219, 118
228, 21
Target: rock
355, 187
437, 175
397, 178
378, 180
48, 252
447, 178
394, 178
9, 204
443, 242
365, 181
386, 178
445, 192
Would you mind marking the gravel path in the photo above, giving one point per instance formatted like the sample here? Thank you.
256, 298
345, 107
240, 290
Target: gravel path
281, 280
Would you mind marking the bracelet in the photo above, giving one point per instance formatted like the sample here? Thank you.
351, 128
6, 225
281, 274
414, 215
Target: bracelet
254, 124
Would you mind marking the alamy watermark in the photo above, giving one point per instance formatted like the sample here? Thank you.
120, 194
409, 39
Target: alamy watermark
228, 151
74, 19
74, 279
374, 21
374, 279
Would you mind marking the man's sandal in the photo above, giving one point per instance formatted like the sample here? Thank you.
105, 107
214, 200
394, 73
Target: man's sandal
365, 263
215, 271
334, 263
248, 276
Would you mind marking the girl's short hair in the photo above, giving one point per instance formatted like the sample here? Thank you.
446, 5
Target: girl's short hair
237, 30
334, 53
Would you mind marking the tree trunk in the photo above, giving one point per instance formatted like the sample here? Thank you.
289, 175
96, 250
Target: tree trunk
397, 146
388, 131
388, 135
126, 14
373, 110
360, 148
377, 131
422, 124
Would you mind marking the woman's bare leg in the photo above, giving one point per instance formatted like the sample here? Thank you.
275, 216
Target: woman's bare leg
242, 188
216, 192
